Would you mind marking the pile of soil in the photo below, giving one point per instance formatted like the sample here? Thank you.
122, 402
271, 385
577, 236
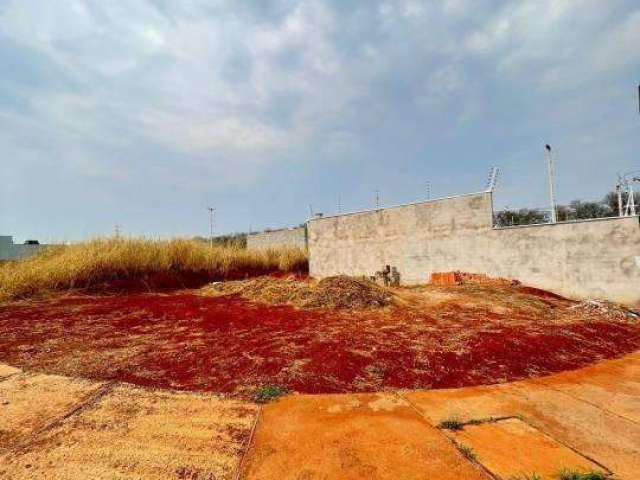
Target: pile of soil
347, 292
339, 292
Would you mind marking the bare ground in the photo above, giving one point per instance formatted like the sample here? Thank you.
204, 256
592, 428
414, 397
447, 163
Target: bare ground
426, 337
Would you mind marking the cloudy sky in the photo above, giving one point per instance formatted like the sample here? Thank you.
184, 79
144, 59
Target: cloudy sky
144, 112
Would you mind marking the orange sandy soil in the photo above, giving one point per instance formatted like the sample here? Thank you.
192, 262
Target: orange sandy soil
430, 337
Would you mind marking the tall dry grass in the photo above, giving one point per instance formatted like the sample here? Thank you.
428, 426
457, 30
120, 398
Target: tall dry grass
94, 262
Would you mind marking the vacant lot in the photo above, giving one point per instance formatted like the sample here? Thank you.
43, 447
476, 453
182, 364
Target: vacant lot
224, 340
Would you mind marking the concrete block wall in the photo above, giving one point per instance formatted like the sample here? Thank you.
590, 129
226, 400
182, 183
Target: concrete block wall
15, 251
597, 258
417, 238
590, 259
286, 237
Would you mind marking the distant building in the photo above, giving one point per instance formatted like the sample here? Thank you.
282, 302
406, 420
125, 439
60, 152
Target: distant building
15, 251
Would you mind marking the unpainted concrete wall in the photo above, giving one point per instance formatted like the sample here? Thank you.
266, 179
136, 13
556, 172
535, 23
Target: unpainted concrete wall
590, 259
597, 258
288, 237
15, 251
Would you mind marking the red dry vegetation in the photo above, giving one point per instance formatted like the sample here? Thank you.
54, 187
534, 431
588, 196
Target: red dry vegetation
431, 337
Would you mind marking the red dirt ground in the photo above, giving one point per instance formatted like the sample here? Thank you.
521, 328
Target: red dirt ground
188, 341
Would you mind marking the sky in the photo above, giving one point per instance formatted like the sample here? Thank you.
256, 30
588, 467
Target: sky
142, 113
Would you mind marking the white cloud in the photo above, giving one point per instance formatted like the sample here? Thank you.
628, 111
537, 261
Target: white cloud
233, 91
442, 85
202, 135
558, 43
618, 47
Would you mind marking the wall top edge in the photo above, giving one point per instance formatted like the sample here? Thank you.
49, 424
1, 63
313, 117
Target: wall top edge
570, 222
267, 232
423, 202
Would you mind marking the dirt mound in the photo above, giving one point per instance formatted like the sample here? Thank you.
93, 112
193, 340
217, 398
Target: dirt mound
338, 292
347, 292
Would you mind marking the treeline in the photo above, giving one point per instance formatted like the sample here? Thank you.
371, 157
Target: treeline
576, 210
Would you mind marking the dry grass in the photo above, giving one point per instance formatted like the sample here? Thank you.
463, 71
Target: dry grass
102, 260
127, 433
272, 291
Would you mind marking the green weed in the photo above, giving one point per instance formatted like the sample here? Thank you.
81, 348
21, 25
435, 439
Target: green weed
451, 423
268, 393
574, 475
467, 451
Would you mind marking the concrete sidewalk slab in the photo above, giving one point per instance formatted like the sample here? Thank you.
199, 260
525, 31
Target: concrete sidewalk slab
510, 448
132, 433
28, 402
613, 386
596, 433
464, 404
370, 436
599, 424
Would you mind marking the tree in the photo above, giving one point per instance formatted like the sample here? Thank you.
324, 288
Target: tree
584, 210
576, 210
611, 199
564, 213
524, 216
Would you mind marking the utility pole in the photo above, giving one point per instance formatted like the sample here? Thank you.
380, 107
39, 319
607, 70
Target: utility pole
619, 194
211, 210
377, 199
624, 186
339, 204
550, 175
634, 178
428, 190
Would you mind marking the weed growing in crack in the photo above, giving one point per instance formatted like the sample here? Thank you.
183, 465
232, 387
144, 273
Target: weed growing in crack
480, 421
467, 452
527, 476
268, 393
451, 423
575, 475
455, 424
